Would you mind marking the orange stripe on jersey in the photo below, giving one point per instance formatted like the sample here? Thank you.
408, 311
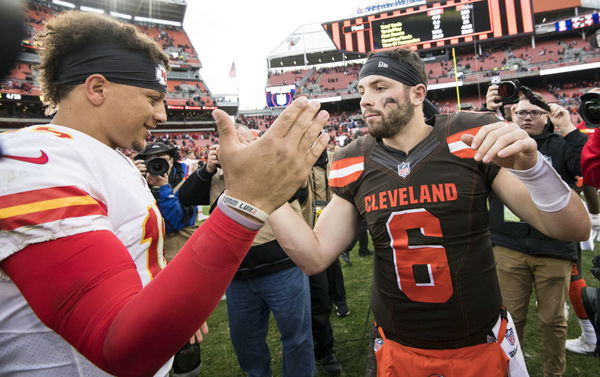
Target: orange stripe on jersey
46, 205
345, 162
345, 171
457, 147
40, 206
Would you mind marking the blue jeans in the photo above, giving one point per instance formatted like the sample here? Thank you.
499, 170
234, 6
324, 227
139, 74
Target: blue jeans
249, 303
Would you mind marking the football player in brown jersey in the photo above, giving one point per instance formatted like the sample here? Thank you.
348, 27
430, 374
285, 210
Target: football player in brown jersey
422, 189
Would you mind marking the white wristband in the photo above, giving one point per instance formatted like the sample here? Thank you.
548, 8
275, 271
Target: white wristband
547, 189
238, 217
248, 209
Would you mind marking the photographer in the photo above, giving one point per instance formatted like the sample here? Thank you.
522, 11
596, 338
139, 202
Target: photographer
165, 185
525, 257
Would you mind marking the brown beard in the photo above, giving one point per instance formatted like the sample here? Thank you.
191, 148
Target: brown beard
394, 122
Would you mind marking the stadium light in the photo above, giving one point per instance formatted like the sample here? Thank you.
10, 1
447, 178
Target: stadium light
156, 21
120, 15
90, 9
63, 3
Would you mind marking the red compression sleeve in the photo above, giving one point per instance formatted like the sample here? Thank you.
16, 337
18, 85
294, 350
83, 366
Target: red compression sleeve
590, 160
575, 288
86, 288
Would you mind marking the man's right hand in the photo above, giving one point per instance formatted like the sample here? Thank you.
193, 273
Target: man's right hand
267, 172
493, 101
141, 166
212, 161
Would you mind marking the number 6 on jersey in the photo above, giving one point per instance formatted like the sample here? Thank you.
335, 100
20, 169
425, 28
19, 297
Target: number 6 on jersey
422, 271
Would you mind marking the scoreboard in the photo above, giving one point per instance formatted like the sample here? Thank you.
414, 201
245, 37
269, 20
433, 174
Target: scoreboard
436, 24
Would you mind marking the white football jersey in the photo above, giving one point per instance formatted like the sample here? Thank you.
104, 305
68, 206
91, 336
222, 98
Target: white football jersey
57, 182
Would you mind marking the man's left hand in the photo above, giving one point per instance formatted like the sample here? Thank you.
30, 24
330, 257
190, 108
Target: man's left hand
157, 180
560, 118
504, 144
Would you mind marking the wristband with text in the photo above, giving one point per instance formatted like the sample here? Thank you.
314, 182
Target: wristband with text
238, 217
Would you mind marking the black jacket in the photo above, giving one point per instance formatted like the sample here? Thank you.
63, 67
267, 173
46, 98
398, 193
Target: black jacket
564, 155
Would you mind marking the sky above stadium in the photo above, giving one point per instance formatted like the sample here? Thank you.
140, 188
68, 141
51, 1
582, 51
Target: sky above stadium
245, 32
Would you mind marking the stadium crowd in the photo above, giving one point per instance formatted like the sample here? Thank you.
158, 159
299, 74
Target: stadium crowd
87, 223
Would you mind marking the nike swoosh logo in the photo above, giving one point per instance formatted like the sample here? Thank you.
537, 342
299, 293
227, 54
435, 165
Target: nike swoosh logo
41, 160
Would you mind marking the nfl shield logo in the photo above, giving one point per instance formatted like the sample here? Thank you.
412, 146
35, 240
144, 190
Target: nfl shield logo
404, 169
281, 99
510, 336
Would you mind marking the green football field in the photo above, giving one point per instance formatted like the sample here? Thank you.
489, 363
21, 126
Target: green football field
218, 358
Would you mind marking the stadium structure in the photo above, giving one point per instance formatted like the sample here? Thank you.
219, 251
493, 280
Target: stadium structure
189, 101
466, 44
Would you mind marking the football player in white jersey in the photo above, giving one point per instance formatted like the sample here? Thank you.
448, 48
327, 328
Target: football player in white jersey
80, 235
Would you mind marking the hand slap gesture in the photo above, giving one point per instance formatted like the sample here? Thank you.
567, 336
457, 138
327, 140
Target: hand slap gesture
268, 171
504, 144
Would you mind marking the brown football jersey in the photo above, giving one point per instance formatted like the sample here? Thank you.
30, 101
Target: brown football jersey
435, 282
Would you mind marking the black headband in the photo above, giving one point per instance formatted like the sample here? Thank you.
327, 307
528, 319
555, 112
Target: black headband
117, 64
384, 65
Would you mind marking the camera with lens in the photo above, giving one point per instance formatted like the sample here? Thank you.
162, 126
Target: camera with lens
156, 166
590, 109
509, 91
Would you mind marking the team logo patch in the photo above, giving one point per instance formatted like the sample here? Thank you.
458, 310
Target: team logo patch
404, 169
382, 65
510, 336
161, 75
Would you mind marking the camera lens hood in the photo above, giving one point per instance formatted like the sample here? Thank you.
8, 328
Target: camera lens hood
590, 109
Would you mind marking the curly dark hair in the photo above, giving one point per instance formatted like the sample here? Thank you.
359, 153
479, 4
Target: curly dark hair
73, 31
410, 57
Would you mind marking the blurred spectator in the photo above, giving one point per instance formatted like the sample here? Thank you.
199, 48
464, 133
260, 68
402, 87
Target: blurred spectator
267, 281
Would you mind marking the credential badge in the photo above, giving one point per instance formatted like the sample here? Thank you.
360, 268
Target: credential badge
404, 169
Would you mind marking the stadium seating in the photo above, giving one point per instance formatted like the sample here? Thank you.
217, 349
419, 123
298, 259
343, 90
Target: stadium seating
195, 143
193, 93
503, 61
174, 41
